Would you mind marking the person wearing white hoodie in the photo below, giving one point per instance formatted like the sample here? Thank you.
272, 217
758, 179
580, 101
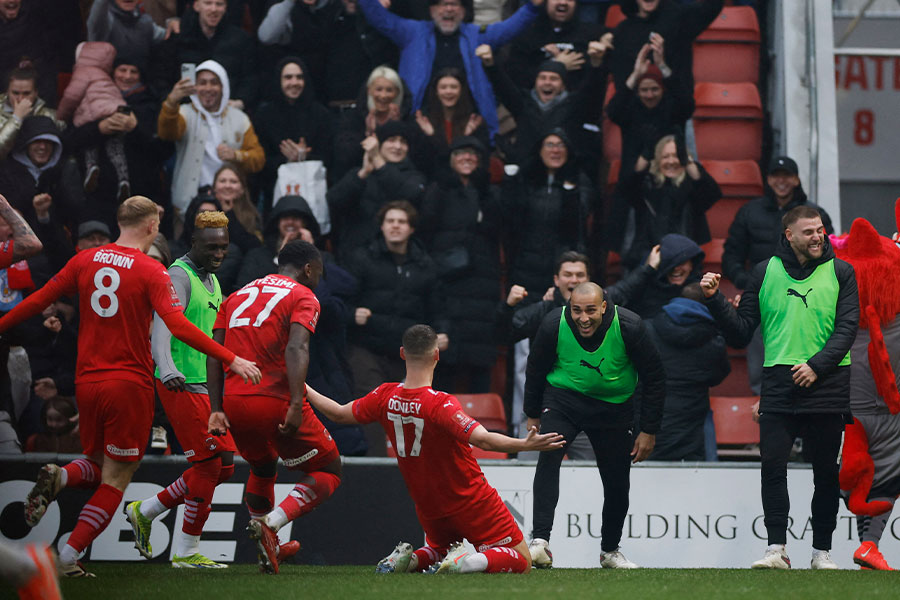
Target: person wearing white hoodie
206, 132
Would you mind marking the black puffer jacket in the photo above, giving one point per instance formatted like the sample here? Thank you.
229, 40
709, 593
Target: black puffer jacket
399, 295
831, 391
354, 203
755, 233
674, 249
678, 23
570, 114
279, 119
260, 261
60, 177
641, 126
544, 220
694, 358
454, 217
528, 52
668, 208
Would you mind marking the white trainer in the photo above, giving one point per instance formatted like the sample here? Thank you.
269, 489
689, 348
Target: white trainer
541, 557
397, 561
821, 559
616, 560
774, 559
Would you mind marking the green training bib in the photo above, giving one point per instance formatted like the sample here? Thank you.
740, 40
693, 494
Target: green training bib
797, 316
605, 374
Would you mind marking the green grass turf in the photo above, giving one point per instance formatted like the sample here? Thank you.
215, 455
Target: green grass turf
161, 582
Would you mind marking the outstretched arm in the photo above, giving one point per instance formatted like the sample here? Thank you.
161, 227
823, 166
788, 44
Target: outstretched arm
490, 440
339, 413
188, 333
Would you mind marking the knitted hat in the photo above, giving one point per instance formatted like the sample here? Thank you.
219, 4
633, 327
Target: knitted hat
391, 129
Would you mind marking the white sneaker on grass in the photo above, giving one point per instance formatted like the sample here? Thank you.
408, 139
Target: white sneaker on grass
541, 557
773, 559
821, 559
616, 560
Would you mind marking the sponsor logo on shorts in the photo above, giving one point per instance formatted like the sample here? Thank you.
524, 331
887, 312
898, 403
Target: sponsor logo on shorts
122, 452
503, 542
189, 453
290, 462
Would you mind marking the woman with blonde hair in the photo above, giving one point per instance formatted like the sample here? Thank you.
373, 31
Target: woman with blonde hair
386, 100
231, 190
670, 193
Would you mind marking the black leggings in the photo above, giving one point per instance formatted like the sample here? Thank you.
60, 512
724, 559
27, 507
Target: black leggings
613, 450
822, 435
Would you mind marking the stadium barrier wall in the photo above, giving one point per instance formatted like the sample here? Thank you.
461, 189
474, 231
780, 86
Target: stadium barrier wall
681, 515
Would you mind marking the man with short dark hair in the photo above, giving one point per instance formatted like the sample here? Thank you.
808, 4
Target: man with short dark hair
806, 304
755, 234
433, 437
273, 319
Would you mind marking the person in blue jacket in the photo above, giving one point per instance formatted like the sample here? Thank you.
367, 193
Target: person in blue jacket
445, 41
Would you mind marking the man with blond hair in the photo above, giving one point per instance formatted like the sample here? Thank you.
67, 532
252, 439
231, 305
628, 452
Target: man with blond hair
119, 288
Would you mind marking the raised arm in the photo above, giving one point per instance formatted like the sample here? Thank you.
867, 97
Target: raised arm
25, 242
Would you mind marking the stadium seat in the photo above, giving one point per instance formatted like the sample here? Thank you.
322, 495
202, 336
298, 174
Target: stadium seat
736, 178
610, 92
728, 121
612, 140
713, 262
614, 16
721, 215
737, 383
735, 427
728, 51
612, 175
486, 408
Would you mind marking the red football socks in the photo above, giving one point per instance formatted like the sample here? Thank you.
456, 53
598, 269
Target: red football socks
82, 473
427, 556
311, 491
201, 481
95, 516
173, 495
260, 497
505, 560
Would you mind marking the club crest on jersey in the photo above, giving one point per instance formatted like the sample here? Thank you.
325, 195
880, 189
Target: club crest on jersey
464, 420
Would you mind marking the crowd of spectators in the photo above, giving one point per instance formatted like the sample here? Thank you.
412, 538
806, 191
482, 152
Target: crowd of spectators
440, 208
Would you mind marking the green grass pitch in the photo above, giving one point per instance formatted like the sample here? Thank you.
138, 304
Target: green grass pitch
161, 582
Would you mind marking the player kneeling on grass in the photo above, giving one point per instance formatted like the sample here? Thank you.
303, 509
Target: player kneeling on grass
432, 436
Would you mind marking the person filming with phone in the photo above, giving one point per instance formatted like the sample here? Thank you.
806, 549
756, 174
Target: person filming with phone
207, 131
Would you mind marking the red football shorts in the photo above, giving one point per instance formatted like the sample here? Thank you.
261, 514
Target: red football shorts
254, 425
189, 415
488, 523
115, 417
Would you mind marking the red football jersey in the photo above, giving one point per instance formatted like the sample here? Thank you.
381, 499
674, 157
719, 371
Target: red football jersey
430, 433
257, 321
118, 290
6, 254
